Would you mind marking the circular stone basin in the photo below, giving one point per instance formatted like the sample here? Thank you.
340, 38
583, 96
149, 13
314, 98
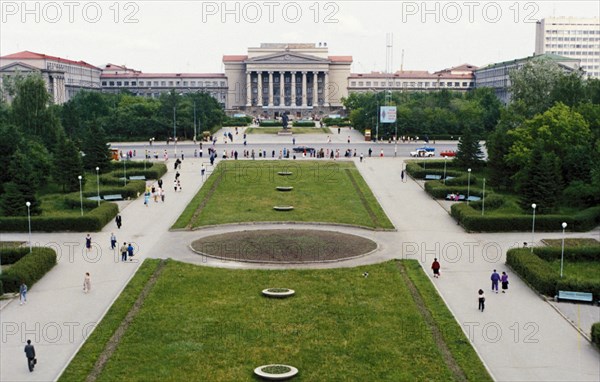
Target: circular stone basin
283, 208
276, 372
283, 246
284, 188
284, 173
278, 292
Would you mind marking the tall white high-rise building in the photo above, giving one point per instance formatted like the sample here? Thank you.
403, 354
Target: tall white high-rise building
572, 37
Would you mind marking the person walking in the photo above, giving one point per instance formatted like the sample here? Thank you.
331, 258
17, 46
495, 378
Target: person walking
113, 241
162, 194
361, 157
504, 280
30, 354
130, 251
87, 282
118, 221
23, 293
435, 266
88, 242
370, 151
146, 198
481, 298
495, 278
124, 252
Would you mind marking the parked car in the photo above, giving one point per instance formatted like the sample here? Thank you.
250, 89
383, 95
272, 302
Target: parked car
424, 151
448, 154
301, 149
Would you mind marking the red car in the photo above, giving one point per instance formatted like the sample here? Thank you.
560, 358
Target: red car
447, 154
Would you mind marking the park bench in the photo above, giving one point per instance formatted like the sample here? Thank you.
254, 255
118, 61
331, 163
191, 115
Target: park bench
94, 198
113, 197
575, 296
433, 177
473, 198
137, 177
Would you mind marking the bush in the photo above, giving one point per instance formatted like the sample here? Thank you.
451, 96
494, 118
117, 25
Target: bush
92, 221
12, 254
342, 122
438, 190
270, 123
303, 124
596, 333
415, 170
472, 220
571, 254
237, 121
492, 202
534, 270
29, 269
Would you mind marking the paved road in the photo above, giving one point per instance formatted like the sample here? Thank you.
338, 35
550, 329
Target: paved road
519, 336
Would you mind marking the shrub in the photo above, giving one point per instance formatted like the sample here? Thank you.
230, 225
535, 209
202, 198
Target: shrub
29, 269
12, 255
270, 123
1, 288
303, 124
438, 190
416, 171
579, 285
337, 121
492, 202
571, 254
237, 121
596, 333
534, 270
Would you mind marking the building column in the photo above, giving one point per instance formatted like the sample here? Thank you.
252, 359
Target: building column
315, 97
271, 89
293, 104
304, 89
326, 89
281, 89
260, 98
248, 89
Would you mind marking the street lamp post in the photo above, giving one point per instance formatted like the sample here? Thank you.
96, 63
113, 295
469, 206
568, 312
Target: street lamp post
98, 184
483, 199
194, 120
562, 252
445, 158
175, 129
533, 226
80, 195
468, 185
28, 204
377, 123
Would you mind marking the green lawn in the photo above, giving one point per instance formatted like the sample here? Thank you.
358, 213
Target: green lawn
245, 191
582, 270
210, 324
295, 130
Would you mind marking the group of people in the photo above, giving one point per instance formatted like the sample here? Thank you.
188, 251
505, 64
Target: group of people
155, 193
496, 279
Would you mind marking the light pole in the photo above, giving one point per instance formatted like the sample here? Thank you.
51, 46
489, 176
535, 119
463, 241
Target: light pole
468, 185
533, 225
28, 204
80, 195
377, 123
175, 129
194, 120
562, 252
125, 171
445, 158
98, 184
483, 199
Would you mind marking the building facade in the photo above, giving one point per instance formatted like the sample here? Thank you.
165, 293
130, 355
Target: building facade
300, 79
116, 78
571, 37
497, 76
63, 77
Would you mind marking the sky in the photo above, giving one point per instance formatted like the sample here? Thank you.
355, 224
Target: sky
192, 36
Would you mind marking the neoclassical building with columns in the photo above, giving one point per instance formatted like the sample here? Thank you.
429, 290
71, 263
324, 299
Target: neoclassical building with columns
301, 79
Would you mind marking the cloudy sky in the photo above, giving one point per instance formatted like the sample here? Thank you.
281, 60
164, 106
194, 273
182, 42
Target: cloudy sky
192, 36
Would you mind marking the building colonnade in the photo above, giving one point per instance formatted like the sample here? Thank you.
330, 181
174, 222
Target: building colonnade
287, 88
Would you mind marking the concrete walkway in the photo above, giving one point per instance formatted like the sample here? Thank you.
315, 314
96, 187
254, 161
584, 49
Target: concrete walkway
520, 337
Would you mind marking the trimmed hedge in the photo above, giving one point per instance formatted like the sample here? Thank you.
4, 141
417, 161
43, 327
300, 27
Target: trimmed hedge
571, 254
416, 171
29, 269
271, 124
11, 255
92, 221
472, 220
438, 190
596, 333
303, 124
544, 278
341, 122
153, 171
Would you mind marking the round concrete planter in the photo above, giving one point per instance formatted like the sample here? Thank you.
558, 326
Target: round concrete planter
284, 188
283, 208
291, 371
278, 292
284, 173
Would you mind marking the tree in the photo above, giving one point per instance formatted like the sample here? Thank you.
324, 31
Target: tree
96, 150
534, 83
469, 152
540, 181
21, 188
67, 165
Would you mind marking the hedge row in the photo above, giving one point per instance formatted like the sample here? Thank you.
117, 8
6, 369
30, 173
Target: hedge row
91, 221
571, 254
545, 278
11, 255
29, 269
336, 122
418, 172
271, 124
303, 124
596, 333
472, 220
439, 191
134, 168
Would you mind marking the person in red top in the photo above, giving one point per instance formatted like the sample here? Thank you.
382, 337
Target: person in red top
436, 268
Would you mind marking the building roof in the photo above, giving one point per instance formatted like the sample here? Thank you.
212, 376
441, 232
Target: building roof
550, 56
340, 58
122, 68
161, 75
410, 74
27, 55
234, 58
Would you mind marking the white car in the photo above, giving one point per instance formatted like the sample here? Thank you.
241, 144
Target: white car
422, 153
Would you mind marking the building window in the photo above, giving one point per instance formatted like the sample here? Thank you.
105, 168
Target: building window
103, 83
118, 83
155, 83
360, 83
464, 84
457, 84
193, 83
353, 83
126, 83
185, 83
112, 83
142, 83
375, 83
216, 83
223, 83
368, 83
163, 83
170, 83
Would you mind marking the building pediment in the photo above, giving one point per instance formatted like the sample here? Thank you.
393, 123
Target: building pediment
18, 67
287, 58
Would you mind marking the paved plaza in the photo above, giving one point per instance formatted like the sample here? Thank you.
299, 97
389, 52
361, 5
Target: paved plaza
520, 336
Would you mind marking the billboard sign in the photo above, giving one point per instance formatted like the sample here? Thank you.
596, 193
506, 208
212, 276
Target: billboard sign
387, 114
